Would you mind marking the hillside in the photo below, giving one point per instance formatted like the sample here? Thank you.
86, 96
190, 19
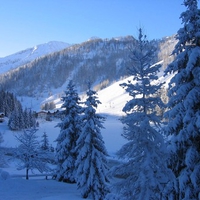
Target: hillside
102, 61
28, 55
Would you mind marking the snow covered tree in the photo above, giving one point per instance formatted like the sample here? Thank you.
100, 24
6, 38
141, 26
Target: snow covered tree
29, 119
70, 128
20, 116
16, 118
26, 118
45, 142
32, 120
91, 162
20, 119
14, 122
47, 149
144, 171
29, 153
1, 138
8, 103
184, 106
2, 156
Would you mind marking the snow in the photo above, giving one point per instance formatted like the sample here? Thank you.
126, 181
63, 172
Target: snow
39, 189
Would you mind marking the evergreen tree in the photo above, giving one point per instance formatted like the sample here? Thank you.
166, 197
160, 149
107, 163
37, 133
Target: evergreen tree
145, 173
29, 153
20, 115
2, 153
14, 121
20, 119
1, 138
8, 103
91, 162
32, 119
184, 106
69, 131
47, 149
26, 118
45, 142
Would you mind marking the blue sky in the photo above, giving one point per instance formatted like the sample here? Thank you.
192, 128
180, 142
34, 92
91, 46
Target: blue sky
26, 23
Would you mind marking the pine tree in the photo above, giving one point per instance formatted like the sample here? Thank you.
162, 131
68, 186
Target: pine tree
29, 153
145, 173
8, 103
45, 142
184, 106
2, 153
14, 121
1, 138
26, 118
91, 162
69, 131
32, 120
20, 115
20, 119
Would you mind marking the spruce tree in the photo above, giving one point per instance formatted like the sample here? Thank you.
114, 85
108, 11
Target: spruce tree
14, 121
26, 118
144, 171
45, 142
91, 162
2, 153
69, 131
184, 106
20, 119
32, 120
8, 103
1, 138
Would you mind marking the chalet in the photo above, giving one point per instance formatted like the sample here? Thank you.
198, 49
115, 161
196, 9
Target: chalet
42, 114
47, 115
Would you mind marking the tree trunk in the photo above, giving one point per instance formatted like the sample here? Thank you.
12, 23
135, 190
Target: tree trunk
27, 174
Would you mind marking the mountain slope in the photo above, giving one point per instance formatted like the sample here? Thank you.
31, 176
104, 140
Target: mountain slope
23, 57
100, 61
112, 98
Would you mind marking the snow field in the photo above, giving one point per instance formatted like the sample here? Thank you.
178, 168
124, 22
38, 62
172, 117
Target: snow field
39, 188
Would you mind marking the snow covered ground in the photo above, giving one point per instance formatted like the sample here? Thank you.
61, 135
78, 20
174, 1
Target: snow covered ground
37, 189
